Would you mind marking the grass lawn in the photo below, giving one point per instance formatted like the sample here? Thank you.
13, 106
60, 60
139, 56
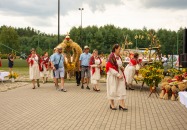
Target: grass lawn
17, 63
20, 67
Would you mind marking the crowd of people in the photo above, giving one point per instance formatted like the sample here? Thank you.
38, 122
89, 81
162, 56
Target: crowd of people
118, 78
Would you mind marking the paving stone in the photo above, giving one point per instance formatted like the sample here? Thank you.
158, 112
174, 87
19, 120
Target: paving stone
46, 108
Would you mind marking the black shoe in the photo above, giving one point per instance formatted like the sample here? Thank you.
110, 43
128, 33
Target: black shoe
113, 108
78, 84
38, 85
82, 87
63, 90
88, 87
124, 109
34, 87
94, 89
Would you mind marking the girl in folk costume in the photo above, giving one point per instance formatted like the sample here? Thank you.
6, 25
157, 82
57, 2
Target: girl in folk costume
34, 67
116, 83
10, 62
95, 64
45, 67
131, 69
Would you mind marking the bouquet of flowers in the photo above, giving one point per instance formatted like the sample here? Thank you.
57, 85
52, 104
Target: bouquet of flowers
184, 70
146, 51
172, 72
13, 75
152, 74
103, 70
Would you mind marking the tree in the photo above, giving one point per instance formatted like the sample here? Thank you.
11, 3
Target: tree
10, 39
100, 38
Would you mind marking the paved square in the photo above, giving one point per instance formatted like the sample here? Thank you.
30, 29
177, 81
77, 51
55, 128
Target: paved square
47, 109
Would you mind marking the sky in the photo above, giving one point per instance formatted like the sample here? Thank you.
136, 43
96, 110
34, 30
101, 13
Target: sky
133, 14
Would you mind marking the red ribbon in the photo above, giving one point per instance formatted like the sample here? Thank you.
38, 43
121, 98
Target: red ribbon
112, 63
44, 62
31, 62
92, 61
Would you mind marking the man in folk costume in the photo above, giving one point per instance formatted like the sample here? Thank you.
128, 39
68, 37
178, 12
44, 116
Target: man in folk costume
45, 67
116, 82
34, 67
95, 65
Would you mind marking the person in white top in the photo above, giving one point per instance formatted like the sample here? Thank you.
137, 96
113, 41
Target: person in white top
131, 69
34, 67
95, 64
116, 82
164, 59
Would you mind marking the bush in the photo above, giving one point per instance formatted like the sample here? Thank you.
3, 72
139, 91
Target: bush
4, 56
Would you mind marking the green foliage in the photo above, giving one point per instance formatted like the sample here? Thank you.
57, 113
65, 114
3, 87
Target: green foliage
10, 38
3, 56
103, 38
158, 65
100, 38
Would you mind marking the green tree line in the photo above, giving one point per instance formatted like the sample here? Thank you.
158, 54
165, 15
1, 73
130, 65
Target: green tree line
100, 38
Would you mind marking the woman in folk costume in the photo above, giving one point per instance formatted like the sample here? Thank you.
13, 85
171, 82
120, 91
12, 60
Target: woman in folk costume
34, 67
45, 67
116, 83
95, 64
131, 69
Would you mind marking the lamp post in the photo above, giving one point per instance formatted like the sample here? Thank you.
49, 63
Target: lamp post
58, 21
38, 39
178, 41
81, 9
140, 37
130, 43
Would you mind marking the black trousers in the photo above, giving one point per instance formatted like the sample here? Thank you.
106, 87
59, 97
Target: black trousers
78, 76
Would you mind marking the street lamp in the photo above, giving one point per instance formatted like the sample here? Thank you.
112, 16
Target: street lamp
130, 43
38, 39
81, 9
58, 21
178, 34
141, 37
